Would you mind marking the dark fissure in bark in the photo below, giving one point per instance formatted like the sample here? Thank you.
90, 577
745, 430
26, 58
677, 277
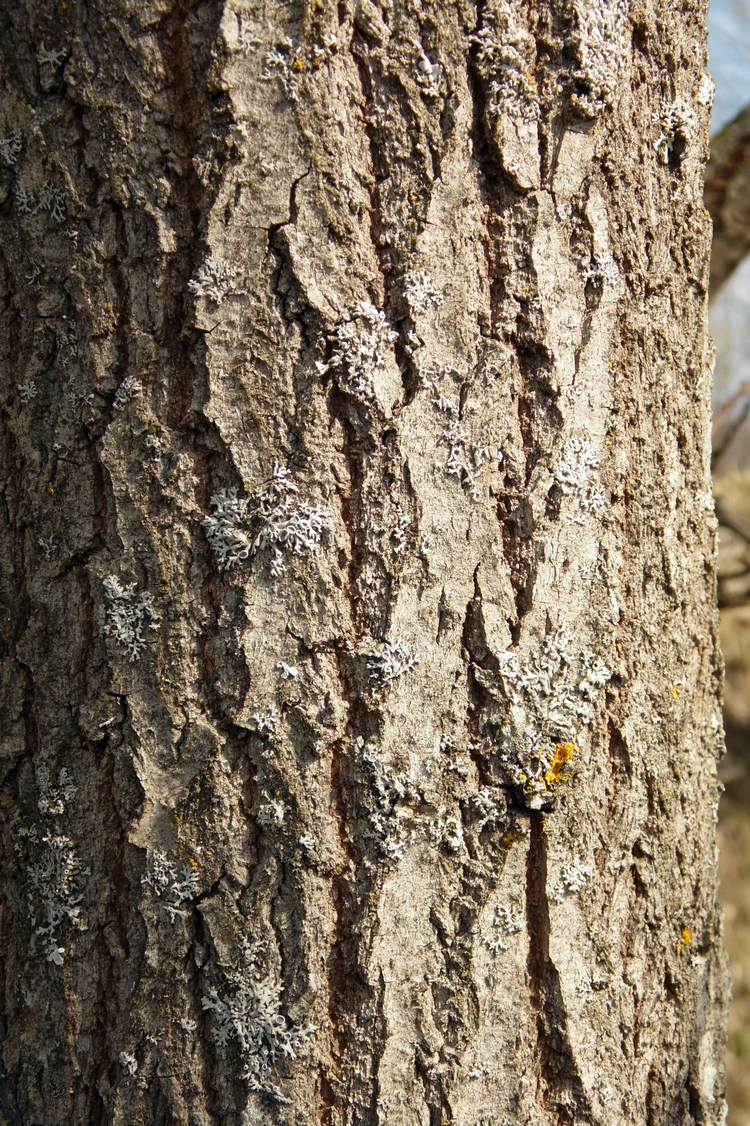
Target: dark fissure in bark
559, 1086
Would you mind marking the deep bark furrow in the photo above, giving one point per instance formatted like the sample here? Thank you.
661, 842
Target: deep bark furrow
560, 1086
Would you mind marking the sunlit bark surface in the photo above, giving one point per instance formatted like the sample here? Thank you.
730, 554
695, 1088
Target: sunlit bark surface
360, 701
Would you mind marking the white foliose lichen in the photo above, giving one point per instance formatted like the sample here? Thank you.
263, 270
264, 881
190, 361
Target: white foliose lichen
129, 1062
573, 878
47, 545
604, 268
577, 474
505, 56
128, 390
240, 527
52, 57
506, 922
174, 884
227, 528
392, 660
706, 92
597, 39
247, 41
52, 199
266, 722
678, 127
58, 879
248, 1014
390, 826
26, 201
54, 797
398, 535
279, 63
27, 391
552, 697
10, 147
214, 279
271, 812
465, 459
360, 350
127, 614
420, 292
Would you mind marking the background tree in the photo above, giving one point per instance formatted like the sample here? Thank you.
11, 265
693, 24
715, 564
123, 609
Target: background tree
729, 48
727, 196
362, 692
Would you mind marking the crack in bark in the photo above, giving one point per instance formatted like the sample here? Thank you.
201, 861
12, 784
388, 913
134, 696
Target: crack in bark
559, 1083
349, 993
387, 259
522, 554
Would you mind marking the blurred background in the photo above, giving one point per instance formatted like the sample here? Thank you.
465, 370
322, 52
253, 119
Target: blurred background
728, 199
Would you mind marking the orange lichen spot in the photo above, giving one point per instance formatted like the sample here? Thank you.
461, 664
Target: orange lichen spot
686, 937
62, 8
50, 488
564, 753
298, 65
192, 862
675, 692
511, 837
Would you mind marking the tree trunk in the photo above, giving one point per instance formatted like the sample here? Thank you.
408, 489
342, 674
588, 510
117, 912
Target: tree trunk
361, 702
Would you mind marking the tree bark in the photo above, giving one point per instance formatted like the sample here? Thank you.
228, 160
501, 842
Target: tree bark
362, 691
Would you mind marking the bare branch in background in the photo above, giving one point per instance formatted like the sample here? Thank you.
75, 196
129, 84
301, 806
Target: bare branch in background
734, 589
725, 517
727, 197
727, 421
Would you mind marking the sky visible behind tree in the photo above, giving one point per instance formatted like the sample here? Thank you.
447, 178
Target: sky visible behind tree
729, 58
729, 50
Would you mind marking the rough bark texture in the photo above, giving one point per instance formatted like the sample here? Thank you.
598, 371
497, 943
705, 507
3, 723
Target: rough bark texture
728, 198
361, 702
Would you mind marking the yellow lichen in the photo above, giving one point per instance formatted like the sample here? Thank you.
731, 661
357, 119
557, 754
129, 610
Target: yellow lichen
298, 65
686, 937
564, 754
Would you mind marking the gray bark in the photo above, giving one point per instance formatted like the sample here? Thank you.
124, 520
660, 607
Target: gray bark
361, 698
